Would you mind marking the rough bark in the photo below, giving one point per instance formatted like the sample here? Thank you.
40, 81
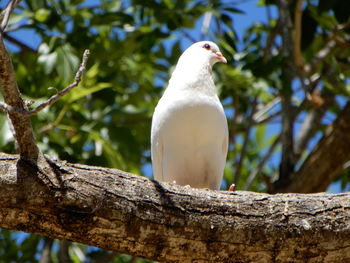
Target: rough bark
130, 214
326, 161
22, 126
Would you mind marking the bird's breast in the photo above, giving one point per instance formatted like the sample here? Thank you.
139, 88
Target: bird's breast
193, 119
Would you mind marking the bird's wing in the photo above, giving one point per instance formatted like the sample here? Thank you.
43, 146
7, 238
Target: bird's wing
157, 160
157, 155
225, 144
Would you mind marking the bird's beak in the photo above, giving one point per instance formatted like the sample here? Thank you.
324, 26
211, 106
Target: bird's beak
220, 57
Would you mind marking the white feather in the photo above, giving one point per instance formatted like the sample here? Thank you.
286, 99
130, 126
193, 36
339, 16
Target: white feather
189, 136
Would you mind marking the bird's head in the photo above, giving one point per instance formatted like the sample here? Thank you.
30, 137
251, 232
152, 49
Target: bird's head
205, 51
196, 63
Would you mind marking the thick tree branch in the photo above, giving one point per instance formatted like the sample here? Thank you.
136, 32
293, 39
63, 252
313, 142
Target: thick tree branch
22, 126
326, 161
115, 210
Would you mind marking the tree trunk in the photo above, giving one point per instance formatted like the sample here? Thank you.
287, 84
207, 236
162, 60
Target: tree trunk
131, 214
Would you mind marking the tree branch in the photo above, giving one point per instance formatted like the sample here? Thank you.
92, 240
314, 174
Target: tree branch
131, 214
312, 123
5, 15
298, 58
15, 107
16, 3
328, 48
326, 161
252, 176
288, 73
263, 110
55, 97
63, 253
22, 126
245, 143
46, 251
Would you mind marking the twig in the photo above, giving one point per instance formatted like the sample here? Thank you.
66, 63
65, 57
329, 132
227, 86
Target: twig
245, 144
51, 126
258, 115
55, 97
270, 41
267, 119
6, 16
321, 55
2, 13
329, 47
252, 176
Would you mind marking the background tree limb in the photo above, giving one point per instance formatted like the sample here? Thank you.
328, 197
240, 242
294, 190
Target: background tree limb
287, 159
326, 161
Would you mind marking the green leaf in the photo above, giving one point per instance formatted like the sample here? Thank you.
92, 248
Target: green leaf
48, 62
82, 91
260, 133
114, 158
326, 20
67, 62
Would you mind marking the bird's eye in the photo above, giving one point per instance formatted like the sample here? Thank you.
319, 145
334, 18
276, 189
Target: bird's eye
207, 46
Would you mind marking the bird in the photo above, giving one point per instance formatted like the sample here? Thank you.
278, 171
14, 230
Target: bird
189, 133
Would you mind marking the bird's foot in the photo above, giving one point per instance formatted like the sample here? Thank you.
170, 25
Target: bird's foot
232, 188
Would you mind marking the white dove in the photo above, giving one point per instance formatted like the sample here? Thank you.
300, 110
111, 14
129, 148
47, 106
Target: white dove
189, 136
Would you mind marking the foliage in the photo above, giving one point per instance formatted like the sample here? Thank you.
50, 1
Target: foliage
134, 44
